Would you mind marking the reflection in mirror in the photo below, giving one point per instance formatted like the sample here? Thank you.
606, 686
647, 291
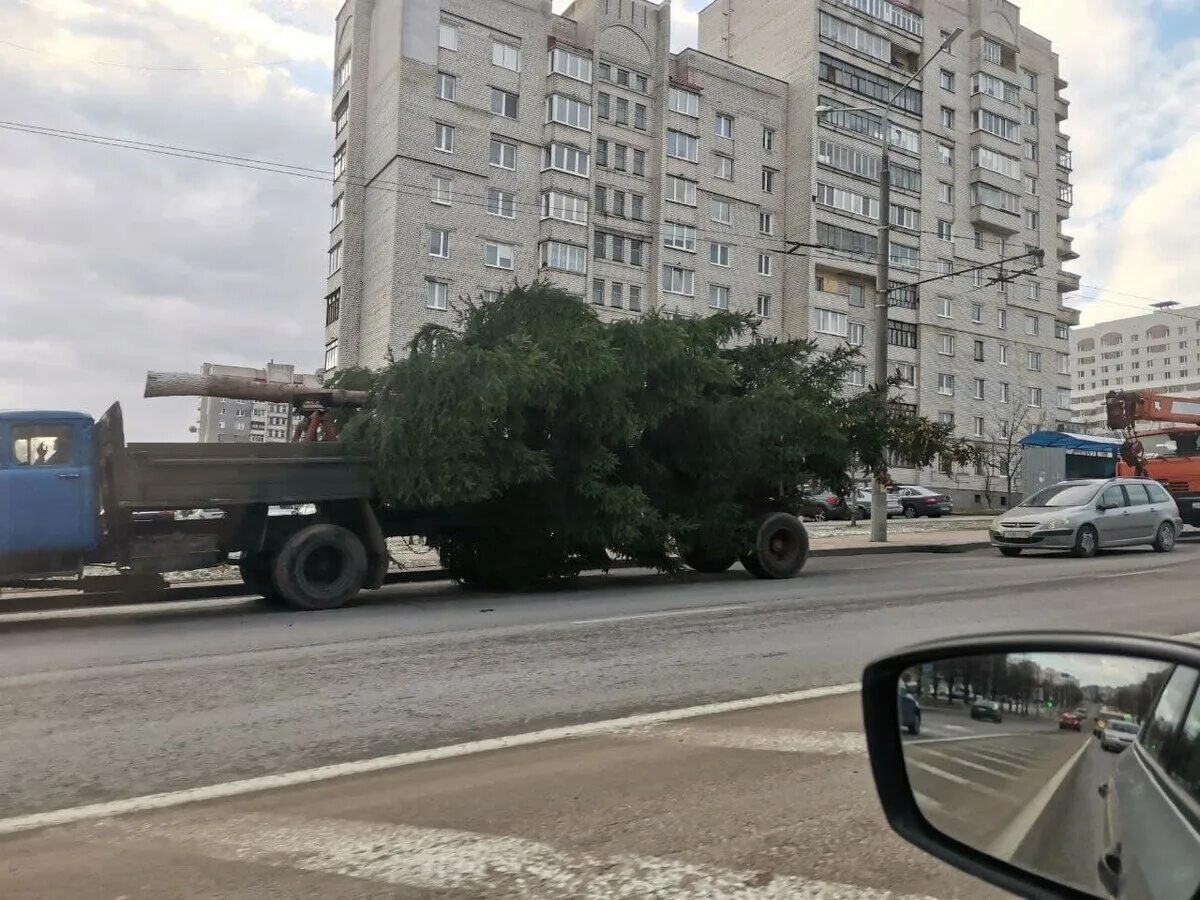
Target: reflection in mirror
1079, 767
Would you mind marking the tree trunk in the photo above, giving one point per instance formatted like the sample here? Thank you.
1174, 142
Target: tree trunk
185, 384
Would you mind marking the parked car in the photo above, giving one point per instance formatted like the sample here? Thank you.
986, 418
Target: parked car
987, 709
919, 501
910, 710
822, 504
1083, 516
1118, 735
1070, 720
862, 500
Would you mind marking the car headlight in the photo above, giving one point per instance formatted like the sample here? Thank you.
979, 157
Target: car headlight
1060, 522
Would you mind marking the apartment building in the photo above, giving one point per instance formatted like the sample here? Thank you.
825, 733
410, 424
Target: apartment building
224, 421
1159, 351
478, 142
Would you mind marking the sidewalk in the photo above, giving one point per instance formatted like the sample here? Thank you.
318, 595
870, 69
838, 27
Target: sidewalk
849, 544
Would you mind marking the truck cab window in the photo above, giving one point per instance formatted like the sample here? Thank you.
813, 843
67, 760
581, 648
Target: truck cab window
42, 445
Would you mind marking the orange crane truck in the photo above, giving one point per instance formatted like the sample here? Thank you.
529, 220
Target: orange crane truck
1170, 455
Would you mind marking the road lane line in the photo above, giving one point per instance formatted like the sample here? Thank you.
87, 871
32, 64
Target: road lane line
951, 777
125, 610
959, 761
779, 740
469, 863
1015, 832
999, 760
664, 614
221, 790
967, 737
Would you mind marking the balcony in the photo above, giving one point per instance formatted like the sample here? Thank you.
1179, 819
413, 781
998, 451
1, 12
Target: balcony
1066, 249
1067, 281
1068, 315
1066, 195
992, 219
1064, 159
1061, 105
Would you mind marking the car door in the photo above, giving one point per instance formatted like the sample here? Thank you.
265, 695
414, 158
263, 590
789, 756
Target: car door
1153, 848
1143, 520
46, 482
1112, 516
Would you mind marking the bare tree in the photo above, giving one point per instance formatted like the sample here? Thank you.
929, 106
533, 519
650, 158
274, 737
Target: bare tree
1001, 452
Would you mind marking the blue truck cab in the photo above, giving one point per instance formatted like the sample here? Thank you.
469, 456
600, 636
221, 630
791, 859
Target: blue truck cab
49, 497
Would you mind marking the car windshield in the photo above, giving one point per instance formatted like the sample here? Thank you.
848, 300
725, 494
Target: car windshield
1123, 727
1066, 494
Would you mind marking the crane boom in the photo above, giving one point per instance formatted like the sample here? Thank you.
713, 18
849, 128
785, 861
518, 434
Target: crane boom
1125, 408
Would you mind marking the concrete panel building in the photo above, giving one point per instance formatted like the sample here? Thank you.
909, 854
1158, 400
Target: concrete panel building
1159, 351
478, 142
226, 421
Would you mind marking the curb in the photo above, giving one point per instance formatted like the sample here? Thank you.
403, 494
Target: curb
881, 549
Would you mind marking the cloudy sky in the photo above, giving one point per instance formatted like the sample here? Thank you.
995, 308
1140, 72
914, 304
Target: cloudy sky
116, 262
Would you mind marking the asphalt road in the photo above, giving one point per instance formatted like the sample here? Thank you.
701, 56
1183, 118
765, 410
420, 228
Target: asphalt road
107, 708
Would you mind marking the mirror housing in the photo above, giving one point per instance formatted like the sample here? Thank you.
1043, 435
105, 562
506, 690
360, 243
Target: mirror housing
881, 719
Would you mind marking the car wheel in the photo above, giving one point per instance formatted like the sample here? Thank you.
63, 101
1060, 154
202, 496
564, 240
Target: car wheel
914, 727
1164, 540
1010, 551
910, 511
1087, 542
864, 513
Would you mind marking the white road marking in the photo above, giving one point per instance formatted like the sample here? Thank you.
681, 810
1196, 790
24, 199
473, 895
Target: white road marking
1134, 572
995, 758
399, 760
473, 864
949, 776
956, 727
966, 737
959, 761
927, 803
666, 613
1010, 838
780, 740
124, 610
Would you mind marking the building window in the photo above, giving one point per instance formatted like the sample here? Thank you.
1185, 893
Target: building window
1029, 79
1035, 397
945, 307
639, 161
1031, 151
333, 307
946, 80
904, 256
635, 298
718, 296
1062, 331
335, 257
331, 361
723, 126
764, 264
443, 137
497, 255
343, 73
569, 111
501, 203
857, 334
766, 222
1031, 324
506, 56
977, 313
768, 138
945, 192
1064, 398
993, 123
945, 230
446, 86
339, 162
598, 291
768, 180
762, 306
503, 155
829, 321
1032, 220
991, 51
945, 384
565, 257
562, 157
980, 386
338, 210
565, 207
947, 117
639, 116
680, 190
718, 254
856, 376
573, 65
978, 350
343, 118
983, 83
621, 111
902, 334
1033, 360
979, 427
723, 167
946, 154
993, 161
904, 217
436, 294
1064, 364
946, 344
853, 202
679, 237
600, 245
504, 103
616, 298
677, 280
1031, 115
985, 195
439, 242
683, 146
720, 210
447, 36
1030, 184
443, 189
868, 84
681, 101
1004, 395
1035, 291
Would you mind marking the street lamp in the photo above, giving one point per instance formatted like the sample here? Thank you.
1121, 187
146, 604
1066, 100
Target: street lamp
882, 254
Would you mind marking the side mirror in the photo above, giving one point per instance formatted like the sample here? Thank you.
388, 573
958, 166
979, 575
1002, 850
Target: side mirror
1003, 787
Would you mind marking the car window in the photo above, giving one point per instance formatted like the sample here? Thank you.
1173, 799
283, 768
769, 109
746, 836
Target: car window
1136, 494
1161, 738
42, 445
1126, 727
1113, 497
1185, 768
1158, 493
1065, 494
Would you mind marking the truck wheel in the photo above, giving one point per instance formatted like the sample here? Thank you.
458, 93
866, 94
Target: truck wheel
319, 567
702, 560
780, 547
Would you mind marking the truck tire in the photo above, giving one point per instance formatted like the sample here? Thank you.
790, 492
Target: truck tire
702, 560
780, 547
319, 567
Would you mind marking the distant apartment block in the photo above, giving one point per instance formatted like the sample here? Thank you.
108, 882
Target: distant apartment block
478, 143
249, 421
1158, 351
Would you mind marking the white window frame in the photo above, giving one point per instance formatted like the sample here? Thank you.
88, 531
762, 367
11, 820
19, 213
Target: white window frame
496, 205
681, 145
504, 98
723, 126
442, 130
569, 111
945, 344
504, 147
766, 265
439, 243
722, 167
762, 306
506, 56
446, 80
503, 252
573, 65
718, 296
683, 101
551, 151
443, 190
338, 210
831, 321
766, 222
437, 294
447, 36
335, 257
679, 236
678, 280
945, 308
672, 187
945, 384
715, 205
564, 207
564, 257
719, 254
